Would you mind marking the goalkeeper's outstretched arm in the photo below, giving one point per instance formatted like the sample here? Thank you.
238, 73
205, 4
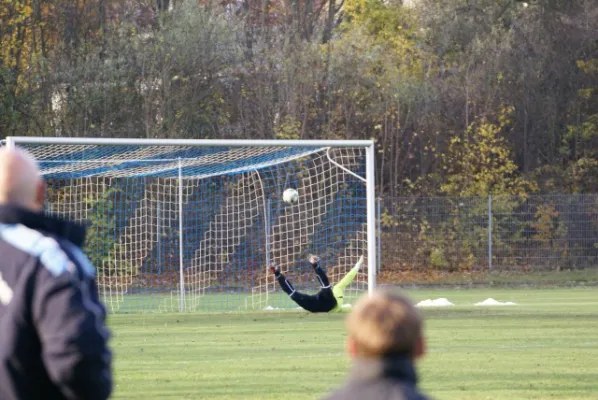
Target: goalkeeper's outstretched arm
322, 277
285, 285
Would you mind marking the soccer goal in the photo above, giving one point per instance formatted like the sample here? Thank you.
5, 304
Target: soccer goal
192, 225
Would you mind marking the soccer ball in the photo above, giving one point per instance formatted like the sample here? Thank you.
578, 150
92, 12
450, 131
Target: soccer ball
290, 196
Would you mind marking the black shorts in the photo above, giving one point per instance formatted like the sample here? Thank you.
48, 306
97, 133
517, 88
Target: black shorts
323, 301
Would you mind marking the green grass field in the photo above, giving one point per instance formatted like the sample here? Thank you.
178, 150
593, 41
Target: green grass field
546, 347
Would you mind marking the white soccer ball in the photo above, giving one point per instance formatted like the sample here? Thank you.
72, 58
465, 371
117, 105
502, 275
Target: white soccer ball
290, 196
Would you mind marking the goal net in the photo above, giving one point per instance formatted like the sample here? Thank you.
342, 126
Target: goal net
194, 225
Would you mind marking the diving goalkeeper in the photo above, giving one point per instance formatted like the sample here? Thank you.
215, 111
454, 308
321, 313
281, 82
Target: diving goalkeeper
328, 299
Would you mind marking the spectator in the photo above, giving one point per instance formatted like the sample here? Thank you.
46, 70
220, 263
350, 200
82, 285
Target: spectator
384, 340
53, 342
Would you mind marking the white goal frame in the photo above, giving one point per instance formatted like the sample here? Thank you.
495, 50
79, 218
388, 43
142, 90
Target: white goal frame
368, 145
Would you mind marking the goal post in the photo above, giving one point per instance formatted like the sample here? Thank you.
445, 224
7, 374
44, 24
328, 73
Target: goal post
192, 225
10, 142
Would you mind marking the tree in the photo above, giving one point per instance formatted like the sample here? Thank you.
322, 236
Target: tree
481, 163
413, 78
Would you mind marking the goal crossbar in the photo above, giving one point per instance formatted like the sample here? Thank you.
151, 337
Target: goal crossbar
187, 142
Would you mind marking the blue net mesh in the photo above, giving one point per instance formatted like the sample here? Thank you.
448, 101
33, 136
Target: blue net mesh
234, 222
157, 161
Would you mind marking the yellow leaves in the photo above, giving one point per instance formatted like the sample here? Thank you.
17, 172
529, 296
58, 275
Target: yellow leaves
504, 116
391, 26
388, 220
289, 129
544, 223
588, 66
14, 12
18, 50
482, 163
585, 94
438, 259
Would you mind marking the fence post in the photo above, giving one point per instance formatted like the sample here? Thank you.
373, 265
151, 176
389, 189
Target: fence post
489, 232
379, 240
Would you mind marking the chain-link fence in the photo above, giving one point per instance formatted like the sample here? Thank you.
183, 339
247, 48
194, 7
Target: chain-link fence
498, 239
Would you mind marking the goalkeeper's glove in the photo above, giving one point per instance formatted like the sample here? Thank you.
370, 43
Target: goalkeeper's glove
359, 263
275, 271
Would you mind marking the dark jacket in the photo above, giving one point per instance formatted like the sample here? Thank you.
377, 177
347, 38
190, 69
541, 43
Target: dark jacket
381, 380
53, 341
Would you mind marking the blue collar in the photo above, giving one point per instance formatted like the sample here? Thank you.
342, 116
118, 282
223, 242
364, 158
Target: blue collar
74, 233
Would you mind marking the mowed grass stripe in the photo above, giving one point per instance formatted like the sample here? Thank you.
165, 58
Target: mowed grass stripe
546, 347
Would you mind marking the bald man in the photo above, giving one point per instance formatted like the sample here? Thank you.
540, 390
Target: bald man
53, 339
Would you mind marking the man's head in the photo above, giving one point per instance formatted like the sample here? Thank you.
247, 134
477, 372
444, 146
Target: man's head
20, 183
385, 325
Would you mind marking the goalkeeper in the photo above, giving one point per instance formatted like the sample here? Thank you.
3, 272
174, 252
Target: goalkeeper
328, 299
